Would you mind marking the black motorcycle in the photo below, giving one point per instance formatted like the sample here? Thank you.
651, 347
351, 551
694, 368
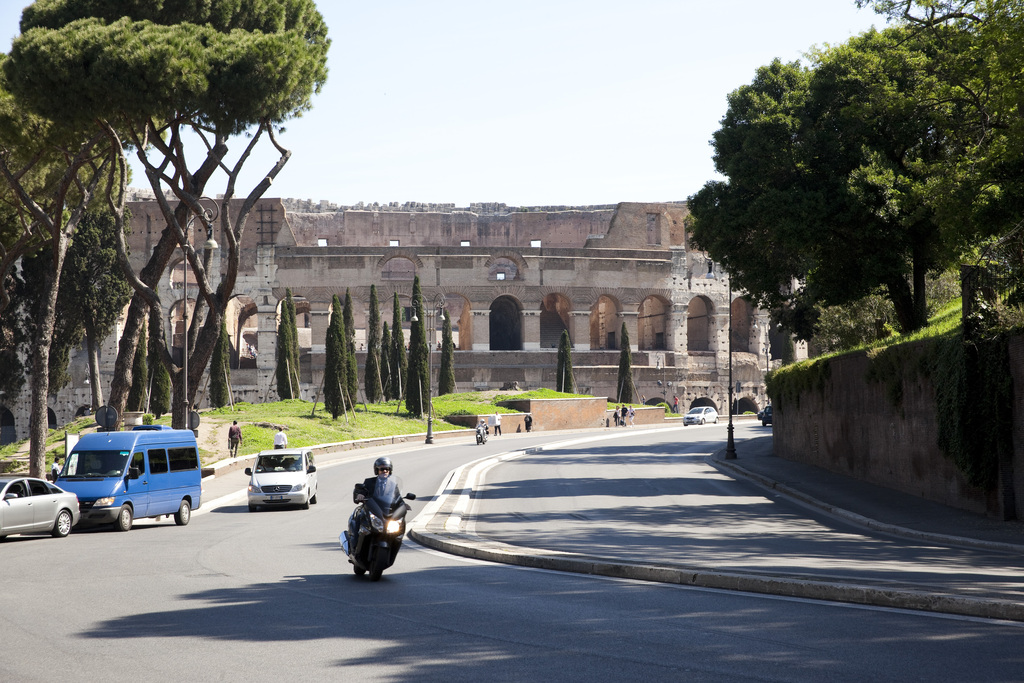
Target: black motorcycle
481, 434
375, 534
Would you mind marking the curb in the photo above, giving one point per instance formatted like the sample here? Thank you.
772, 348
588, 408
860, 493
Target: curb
441, 525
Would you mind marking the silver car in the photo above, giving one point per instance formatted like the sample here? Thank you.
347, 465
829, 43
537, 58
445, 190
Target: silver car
700, 415
29, 505
284, 476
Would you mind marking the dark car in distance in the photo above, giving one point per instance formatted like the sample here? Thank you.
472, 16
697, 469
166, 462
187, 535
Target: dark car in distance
766, 415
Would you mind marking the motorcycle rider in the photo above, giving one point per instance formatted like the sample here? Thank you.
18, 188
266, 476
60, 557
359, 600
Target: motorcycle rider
381, 487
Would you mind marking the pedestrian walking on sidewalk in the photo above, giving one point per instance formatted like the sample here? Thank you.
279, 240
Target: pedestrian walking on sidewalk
234, 439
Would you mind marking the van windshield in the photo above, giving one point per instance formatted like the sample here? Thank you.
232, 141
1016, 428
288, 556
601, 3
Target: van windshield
95, 464
279, 463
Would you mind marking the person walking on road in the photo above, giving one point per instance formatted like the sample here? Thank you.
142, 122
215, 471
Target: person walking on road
497, 424
234, 439
280, 439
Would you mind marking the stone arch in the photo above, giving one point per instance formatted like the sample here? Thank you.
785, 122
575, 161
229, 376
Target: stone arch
83, 411
460, 311
506, 255
399, 269
51, 419
746, 404
8, 428
699, 330
703, 401
176, 318
503, 270
554, 318
742, 322
604, 324
243, 331
506, 324
407, 254
653, 323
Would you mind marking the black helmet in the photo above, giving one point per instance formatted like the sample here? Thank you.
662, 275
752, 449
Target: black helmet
382, 463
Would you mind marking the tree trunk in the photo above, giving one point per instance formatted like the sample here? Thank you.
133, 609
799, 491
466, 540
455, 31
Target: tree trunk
94, 368
47, 314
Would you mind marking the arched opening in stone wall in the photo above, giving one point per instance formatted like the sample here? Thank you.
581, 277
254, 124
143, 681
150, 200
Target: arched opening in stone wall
703, 401
8, 430
652, 323
746, 405
503, 269
83, 411
506, 324
176, 323
460, 312
604, 325
243, 331
742, 321
51, 419
698, 325
554, 318
398, 269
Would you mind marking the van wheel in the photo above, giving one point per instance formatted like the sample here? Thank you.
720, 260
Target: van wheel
184, 514
253, 508
124, 519
62, 527
313, 499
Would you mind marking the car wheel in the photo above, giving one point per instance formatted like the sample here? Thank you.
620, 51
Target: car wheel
124, 519
184, 514
702, 420
716, 420
313, 499
764, 423
62, 525
253, 508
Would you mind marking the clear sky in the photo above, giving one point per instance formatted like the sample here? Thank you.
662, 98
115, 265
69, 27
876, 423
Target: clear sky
532, 102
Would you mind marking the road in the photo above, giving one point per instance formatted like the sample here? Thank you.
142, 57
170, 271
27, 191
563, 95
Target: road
239, 596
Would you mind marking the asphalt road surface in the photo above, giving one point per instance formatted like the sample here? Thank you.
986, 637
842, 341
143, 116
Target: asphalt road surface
240, 596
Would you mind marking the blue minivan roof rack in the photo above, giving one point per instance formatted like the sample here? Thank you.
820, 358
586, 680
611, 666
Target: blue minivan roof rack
150, 428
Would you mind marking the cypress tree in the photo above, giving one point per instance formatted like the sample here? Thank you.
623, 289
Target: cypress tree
624, 383
418, 380
446, 373
285, 351
160, 385
220, 368
335, 367
565, 381
399, 365
371, 374
140, 374
385, 364
294, 325
351, 366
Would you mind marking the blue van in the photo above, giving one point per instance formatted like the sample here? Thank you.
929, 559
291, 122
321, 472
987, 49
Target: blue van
146, 472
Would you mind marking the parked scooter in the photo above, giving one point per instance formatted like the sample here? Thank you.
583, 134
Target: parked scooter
481, 433
375, 534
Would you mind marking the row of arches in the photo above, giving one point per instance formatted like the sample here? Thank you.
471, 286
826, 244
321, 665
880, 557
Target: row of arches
506, 328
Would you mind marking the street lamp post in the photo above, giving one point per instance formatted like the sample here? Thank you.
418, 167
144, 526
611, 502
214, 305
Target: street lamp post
439, 305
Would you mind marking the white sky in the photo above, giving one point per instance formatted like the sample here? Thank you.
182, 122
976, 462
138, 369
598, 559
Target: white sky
532, 102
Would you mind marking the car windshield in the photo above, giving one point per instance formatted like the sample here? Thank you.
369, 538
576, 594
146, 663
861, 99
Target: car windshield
95, 464
279, 463
695, 411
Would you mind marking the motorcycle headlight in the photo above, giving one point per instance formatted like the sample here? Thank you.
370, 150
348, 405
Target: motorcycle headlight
394, 526
103, 502
377, 523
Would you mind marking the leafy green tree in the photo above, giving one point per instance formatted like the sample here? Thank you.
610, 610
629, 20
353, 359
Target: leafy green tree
335, 364
564, 379
160, 379
624, 382
13, 337
385, 366
823, 166
446, 373
137, 397
372, 384
417, 395
220, 370
352, 367
399, 364
154, 77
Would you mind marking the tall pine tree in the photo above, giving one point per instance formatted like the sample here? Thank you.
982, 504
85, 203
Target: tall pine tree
399, 365
372, 385
565, 381
351, 366
446, 373
335, 365
624, 383
220, 369
417, 393
385, 363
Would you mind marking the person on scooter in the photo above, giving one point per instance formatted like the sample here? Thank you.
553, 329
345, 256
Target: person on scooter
382, 486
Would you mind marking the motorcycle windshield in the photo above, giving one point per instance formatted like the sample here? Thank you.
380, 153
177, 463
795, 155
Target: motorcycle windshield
386, 493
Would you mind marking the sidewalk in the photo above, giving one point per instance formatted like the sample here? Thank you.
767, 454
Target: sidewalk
448, 524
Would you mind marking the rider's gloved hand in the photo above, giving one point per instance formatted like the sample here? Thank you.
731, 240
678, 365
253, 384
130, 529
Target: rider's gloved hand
360, 498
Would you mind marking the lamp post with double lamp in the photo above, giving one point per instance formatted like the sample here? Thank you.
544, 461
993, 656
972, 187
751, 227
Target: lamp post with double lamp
438, 307
208, 216
730, 445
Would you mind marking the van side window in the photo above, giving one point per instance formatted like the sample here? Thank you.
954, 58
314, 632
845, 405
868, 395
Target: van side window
183, 459
139, 462
157, 461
